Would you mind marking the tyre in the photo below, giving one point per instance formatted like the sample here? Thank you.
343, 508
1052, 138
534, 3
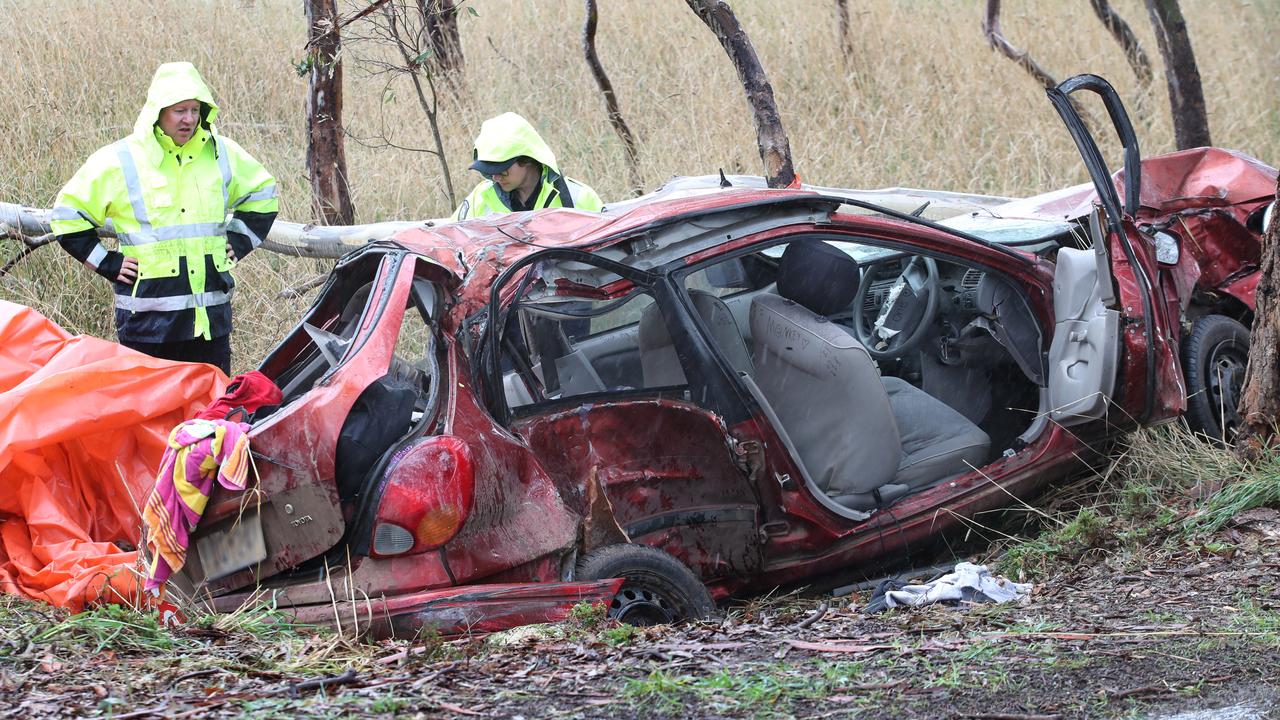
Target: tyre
657, 589
1214, 356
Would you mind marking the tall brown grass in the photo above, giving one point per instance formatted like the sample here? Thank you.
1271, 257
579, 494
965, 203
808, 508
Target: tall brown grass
924, 102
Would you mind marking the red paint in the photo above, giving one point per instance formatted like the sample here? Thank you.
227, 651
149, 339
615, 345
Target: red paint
676, 477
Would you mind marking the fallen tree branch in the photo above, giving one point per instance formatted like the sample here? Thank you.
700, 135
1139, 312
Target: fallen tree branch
346, 678
31, 226
31, 244
291, 293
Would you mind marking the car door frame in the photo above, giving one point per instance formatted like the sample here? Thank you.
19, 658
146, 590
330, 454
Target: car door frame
702, 384
734, 517
1135, 275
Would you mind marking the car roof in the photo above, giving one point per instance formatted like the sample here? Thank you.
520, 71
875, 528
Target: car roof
476, 251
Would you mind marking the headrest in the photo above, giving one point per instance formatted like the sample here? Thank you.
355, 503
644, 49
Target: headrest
818, 276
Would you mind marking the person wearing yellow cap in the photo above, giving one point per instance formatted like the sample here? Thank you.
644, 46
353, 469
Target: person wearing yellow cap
185, 203
521, 173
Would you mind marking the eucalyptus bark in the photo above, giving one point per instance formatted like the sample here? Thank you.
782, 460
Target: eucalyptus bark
1186, 96
771, 138
1120, 30
611, 99
1260, 399
326, 157
441, 18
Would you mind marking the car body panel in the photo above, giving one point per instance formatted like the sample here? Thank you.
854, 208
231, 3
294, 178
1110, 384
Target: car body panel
668, 471
705, 471
449, 611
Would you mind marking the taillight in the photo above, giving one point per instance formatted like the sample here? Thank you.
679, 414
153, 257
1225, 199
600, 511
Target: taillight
428, 489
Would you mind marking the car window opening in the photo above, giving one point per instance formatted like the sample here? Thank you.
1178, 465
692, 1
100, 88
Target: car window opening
563, 347
840, 339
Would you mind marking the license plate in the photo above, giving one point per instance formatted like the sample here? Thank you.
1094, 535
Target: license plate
233, 548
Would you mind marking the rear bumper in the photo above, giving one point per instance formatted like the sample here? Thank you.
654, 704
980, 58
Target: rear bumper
462, 610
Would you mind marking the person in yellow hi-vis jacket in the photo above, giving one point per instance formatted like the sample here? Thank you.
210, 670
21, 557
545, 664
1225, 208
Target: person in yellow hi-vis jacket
185, 203
521, 173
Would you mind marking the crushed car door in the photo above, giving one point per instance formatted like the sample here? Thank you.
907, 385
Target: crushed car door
1148, 364
595, 365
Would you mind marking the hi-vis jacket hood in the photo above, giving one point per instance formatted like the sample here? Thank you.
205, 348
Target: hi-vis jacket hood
172, 83
508, 136
169, 207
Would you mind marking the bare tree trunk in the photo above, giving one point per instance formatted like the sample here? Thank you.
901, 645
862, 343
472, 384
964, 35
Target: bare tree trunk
441, 18
1120, 30
1186, 97
326, 158
775, 151
611, 100
1260, 399
842, 26
991, 29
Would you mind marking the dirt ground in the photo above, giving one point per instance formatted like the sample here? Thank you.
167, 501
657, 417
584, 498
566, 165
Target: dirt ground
1191, 631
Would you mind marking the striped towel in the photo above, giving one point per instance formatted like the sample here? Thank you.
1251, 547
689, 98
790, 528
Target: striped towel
200, 452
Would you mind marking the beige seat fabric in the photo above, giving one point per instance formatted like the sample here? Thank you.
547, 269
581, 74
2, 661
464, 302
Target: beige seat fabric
826, 391
862, 441
937, 441
658, 360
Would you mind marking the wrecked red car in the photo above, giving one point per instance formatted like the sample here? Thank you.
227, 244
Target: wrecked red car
718, 389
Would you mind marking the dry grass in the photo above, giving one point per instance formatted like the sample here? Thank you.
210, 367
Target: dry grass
925, 103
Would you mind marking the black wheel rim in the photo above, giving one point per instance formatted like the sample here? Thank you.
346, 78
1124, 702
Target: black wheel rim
642, 606
1224, 381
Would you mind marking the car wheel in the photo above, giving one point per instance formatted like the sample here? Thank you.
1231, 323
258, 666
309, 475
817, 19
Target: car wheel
657, 589
1214, 356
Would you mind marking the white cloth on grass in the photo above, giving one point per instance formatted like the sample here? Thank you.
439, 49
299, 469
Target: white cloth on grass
966, 583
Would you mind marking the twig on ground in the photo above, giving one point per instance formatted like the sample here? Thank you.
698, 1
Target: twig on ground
158, 710
814, 617
345, 678
1010, 716
195, 674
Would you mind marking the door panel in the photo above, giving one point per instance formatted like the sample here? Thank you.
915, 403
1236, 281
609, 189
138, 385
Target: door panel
1152, 381
1086, 340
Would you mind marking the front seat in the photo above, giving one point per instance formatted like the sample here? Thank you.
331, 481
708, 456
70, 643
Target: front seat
658, 360
861, 444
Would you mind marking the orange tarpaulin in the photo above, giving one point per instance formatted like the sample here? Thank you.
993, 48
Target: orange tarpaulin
83, 424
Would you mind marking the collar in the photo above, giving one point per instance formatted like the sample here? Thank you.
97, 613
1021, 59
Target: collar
159, 144
548, 177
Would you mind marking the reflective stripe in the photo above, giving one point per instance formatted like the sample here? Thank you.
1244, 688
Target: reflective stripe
237, 225
172, 303
265, 193
96, 257
225, 166
165, 252
132, 182
64, 212
174, 232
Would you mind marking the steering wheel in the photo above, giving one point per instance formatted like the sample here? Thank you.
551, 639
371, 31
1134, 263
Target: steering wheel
909, 309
